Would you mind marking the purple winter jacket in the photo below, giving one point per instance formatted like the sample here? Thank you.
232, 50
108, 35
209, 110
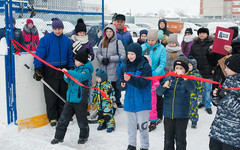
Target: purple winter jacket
186, 53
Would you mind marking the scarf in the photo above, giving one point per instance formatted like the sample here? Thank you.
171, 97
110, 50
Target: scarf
78, 41
188, 39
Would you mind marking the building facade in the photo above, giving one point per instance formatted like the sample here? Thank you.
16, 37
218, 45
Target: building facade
220, 9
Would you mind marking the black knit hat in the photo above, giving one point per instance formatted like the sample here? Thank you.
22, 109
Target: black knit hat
136, 48
233, 63
80, 27
182, 61
203, 30
189, 30
235, 29
120, 17
193, 62
102, 74
114, 16
82, 55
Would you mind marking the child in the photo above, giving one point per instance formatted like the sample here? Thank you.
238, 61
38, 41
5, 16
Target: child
173, 50
187, 41
143, 35
105, 106
137, 102
176, 105
80, 39
77, 99
193, 71
225, 129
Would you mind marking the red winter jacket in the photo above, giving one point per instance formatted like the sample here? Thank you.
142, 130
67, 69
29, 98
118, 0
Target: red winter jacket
31, 37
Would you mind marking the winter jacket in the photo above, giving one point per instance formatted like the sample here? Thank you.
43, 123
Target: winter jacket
170, 61
104, 104
31, 37
188, 48
139, 41
157, 53
200, 51
138, 95
176, 98
199, 84
125, 37
111, 53
81, 43
75, 92
17, 36
56, 50
226, 124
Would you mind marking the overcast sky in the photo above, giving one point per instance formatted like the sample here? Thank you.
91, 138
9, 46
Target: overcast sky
144, 6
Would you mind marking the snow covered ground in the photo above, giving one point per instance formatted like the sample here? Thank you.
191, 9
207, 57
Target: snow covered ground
39, 139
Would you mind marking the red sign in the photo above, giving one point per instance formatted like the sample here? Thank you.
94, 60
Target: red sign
223, 36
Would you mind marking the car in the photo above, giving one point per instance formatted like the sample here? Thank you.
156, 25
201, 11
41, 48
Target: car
133, 29
213, 25
146, 26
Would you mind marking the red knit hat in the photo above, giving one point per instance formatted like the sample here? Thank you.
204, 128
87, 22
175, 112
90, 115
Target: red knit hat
29, 21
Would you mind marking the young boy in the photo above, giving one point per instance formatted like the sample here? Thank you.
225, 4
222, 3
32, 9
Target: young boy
176, 105
225, 129
193, 71
138, 97
105, 106
77, 99
143, 35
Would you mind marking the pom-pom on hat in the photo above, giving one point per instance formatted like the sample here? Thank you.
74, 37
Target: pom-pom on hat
102, 74
80, 27
57, 23
82, 55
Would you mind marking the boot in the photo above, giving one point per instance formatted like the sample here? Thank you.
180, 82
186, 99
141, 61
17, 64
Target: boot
201, 105
56, 141
119, 105
130, 147
82, 140
109, 130
102, 125
152, 126
209, 111
194, 124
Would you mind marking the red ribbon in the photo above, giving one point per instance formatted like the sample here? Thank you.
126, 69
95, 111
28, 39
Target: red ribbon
48, 64
154, 78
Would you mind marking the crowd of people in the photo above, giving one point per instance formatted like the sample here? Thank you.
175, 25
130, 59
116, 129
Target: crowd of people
171, 100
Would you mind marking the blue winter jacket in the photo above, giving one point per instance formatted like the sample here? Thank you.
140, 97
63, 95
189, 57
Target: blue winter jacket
177, 98
125, 37
56, 50
157, 53
138, 95
75, 92
226, 125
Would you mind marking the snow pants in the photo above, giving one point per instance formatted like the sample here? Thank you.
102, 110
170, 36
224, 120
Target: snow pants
217, 145
193, 113
140, 120
153, 113
53, 103
80, 109
175, 129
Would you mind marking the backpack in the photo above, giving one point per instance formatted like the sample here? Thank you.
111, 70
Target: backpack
120, 62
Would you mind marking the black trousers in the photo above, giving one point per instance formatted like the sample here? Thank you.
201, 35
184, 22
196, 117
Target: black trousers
159, 107
53, 103
80, 109
117, 92
175, 129
217, 145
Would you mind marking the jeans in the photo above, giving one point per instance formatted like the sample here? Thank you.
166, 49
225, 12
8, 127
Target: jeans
206, 99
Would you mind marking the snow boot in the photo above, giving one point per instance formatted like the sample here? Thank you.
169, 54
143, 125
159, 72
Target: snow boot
201, 105
194, 124
109, 130
56, 141
82, 140
102, 125
119, 105
152, 126
209, 111
130, 147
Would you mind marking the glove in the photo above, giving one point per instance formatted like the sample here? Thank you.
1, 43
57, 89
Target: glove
221, 93
105, 61
38, 75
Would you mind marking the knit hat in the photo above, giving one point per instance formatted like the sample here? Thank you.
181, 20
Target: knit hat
203, 30
233, 63
189, 30
80, 27
114, 16
136, 48
82, 55
160, 34
182, 61
193, 62
57, 23
29, 21
173, 38
152, 34
102, 74
120, 17
235, 29
143, 32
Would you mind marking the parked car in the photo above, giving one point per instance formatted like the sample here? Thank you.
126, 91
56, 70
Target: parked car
133, 29
213, 25
146, 26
